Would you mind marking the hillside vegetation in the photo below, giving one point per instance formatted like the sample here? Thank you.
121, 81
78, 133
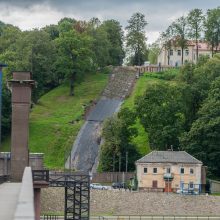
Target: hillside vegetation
56, 120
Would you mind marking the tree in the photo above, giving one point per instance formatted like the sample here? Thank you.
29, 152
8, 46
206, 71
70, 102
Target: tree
161, 112
100, 47
179, 28
117, 134
195, 20
166, 38
75, 55
135, 39
153, 53
212, 28
115, 37
203, 139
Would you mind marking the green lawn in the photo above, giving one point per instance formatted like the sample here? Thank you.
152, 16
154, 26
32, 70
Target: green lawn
57, 118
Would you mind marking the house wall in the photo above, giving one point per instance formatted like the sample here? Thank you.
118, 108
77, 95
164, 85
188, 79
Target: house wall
145, 179
176, 60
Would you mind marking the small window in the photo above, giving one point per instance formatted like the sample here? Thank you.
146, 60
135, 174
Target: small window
171, 52
181, 170
186, 52
191, 171
154, 170
145, 169
168, 170
179, 52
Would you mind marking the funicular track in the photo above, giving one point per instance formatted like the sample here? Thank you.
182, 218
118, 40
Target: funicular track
77, 191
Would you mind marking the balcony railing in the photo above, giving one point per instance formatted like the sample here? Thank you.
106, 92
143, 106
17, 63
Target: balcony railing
168, 176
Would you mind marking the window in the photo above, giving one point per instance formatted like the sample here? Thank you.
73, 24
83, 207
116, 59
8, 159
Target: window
145, 169
191, 171
179, 52
171, 52
191, 185
154, 170
186, 52
168, 170
181, 170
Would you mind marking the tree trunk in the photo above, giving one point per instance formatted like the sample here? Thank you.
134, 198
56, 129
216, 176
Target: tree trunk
182, 55
197, 51
72, 79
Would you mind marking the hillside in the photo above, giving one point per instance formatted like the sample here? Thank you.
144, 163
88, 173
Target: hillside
141, 140
57, 118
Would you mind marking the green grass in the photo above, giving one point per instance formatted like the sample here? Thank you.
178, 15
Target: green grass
57, 118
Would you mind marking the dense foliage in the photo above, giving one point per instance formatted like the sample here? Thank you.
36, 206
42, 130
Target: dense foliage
58, 53
184, 113
117, 133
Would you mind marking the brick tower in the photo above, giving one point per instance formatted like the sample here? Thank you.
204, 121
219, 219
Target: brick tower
21, 87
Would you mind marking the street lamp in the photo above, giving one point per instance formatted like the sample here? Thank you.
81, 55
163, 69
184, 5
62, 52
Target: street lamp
1, 66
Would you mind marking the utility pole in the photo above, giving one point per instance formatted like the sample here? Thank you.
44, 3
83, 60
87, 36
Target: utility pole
126, 161
119, 162
114, 163
1, 66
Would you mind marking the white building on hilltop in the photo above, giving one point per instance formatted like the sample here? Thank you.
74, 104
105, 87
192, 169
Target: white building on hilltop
173, 56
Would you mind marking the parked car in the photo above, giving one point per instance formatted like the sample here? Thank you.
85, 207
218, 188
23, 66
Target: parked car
119, 185
97, 186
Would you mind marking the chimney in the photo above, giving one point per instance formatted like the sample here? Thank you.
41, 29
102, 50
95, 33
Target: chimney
21, 86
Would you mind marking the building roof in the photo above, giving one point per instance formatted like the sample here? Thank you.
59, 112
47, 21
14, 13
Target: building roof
168, 157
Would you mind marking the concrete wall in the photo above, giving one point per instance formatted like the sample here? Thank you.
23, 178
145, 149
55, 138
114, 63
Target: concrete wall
145, 179
25, 204
35, 162
214, 186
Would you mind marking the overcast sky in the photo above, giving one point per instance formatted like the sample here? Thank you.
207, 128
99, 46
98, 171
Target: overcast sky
28, 14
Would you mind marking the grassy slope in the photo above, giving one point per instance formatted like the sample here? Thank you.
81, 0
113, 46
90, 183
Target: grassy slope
51, 129
141, 141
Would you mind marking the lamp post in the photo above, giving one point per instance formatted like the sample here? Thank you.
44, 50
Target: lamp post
1, 66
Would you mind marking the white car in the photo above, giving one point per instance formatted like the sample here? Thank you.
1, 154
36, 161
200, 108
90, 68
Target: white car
97, 186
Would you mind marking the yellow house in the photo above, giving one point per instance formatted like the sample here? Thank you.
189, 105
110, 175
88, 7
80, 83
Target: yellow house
169, 171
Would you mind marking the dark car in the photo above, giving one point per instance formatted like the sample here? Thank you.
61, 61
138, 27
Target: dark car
119, 185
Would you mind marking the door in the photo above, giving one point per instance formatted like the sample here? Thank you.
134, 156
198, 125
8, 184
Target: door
154, 184
168, 186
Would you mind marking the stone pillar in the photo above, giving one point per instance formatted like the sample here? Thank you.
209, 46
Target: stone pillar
37, 207
21, 99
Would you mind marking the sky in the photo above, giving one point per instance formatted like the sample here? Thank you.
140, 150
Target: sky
29, 14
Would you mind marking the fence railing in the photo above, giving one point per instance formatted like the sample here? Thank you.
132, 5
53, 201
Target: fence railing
161, 217
40, 175
50, 217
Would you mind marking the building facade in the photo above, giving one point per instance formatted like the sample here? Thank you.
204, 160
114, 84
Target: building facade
169, 171
173, 56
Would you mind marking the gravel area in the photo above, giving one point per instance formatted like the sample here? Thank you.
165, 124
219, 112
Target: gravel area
115, 202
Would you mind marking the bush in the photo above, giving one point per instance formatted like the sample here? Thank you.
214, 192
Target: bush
165, 75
